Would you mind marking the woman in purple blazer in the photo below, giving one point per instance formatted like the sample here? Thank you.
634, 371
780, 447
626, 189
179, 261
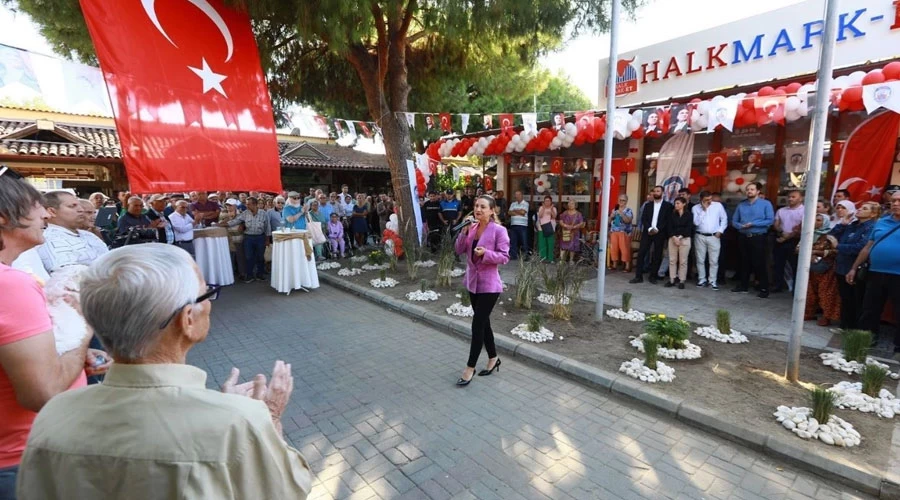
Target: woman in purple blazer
486, 246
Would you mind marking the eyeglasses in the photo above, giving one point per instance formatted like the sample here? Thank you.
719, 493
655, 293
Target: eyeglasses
4, 170
212, 293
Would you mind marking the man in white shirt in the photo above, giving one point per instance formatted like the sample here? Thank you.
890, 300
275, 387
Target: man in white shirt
710, 221
64, 243
183, 226
518, 225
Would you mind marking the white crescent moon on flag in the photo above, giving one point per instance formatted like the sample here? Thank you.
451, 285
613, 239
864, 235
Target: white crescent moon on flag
846, 184
773, 103
206, 8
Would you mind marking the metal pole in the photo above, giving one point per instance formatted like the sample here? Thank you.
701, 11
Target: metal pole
607, 156
816, 151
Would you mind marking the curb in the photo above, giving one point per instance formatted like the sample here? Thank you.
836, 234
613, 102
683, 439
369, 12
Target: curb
845, 472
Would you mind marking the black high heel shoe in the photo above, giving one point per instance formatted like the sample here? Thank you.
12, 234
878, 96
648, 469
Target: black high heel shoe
486, 372
463, 382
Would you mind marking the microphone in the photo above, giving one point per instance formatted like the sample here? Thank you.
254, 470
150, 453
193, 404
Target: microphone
466, 222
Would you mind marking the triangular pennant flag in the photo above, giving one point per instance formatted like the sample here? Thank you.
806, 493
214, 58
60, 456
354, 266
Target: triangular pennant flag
464, 119
366, 130
716, 164
722, 112
529, 122
411, 120
769, 109
507, 121
882, 95
351, 128
445, 122
620, 123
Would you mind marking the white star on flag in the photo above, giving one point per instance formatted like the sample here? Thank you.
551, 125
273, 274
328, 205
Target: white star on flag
875, 191
211, 80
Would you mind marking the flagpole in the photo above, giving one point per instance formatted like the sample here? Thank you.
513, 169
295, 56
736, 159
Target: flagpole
607, 157
816, 151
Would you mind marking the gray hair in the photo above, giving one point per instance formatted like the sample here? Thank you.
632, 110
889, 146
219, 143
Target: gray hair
127, 293
138, 198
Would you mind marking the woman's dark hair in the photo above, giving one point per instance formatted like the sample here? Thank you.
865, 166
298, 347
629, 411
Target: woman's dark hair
681, 199
548, 197
17, 200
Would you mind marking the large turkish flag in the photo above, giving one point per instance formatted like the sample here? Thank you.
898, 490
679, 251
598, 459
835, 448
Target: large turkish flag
190, 100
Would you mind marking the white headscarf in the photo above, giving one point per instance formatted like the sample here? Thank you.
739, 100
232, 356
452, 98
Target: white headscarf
850, 207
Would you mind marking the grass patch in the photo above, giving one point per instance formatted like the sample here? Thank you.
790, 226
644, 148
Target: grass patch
651, 347
723, 321
822, 404
534, 322
526, 283
873, 378
626, 301
855, 344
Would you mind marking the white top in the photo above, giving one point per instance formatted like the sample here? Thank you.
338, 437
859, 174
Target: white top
657, 205
63, 247
712, 220
29, 261
183, 225
519, 220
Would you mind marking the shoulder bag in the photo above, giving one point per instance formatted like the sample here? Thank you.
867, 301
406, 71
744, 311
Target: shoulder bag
315, 231
862, 271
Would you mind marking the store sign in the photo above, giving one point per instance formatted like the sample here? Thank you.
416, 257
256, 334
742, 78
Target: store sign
777, 44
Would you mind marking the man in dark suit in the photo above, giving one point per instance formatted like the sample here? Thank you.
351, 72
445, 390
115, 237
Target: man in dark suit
654, 231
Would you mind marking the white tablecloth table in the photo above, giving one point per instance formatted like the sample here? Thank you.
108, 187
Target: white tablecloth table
212, 255
293, 265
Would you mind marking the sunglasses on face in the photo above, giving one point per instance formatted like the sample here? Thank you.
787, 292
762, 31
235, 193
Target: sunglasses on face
212, 293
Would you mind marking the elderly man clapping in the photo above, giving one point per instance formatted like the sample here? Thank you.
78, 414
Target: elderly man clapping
153, 429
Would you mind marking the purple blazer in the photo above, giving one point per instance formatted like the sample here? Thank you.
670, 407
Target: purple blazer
482, 275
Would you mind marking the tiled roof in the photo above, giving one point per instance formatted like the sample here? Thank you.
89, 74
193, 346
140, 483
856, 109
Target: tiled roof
103, 142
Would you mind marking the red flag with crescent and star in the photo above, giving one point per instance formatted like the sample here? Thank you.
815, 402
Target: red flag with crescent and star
506, 122
716, 164
190, 100
769, 109
867, 157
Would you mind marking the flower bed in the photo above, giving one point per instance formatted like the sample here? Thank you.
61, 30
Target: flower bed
550, 300
359, 258
850, 396
383, 283
420, 296
836, 360
522, 331
325, 266
632, 315
713, 333
636, 369
690, 351
350, 272
457, 309
375, 267
426, 263
837, 432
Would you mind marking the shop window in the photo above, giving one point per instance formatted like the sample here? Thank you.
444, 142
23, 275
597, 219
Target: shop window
751, 155
795, 158
577, 179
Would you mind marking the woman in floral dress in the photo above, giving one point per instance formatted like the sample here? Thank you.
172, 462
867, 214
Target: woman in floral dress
572, 223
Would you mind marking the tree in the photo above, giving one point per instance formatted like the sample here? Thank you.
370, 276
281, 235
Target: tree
393, 47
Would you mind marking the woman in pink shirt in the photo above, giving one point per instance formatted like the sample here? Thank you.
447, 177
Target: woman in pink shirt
546, 229
31, 372
486, 246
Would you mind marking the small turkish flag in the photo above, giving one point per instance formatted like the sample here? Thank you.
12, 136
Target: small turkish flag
507, 121
769, 109
556, 166
628, 165
366, 130
716, 164
584, 121
445, 122
189, 96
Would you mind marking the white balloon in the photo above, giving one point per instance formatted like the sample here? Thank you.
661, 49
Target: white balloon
716, 99
561, 135
541, 189
804, 90
804, 109
792, 103
555, 143
695, 115
633, 125
471, 151
483, 141
571, 129
618, 135
510, 146
638, 115
703, 107
842, 82
792, 115
749, 177
703, 122
519, 147
856, 77
740, 95
733, 187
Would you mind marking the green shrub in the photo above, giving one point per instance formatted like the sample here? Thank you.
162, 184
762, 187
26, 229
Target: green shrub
562, 282
855, 344
822, 404
382, 275
445, 260
723, 321
423, 286
873, 377
464, 298
672, 333
534, 322
651, 347
526, 283
626, 301
376, 258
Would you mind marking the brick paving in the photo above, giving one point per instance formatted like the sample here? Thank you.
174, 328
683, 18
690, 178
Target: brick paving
377, 415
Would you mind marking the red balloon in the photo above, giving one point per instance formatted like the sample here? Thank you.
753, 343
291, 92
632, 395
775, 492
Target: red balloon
766, 91
696, 100
779, 91
873, 77
638, 134
579, 140
852, 95
694, 188
792, 88
891, 71
739, 181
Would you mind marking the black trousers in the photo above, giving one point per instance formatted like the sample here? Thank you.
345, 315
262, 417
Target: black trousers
657, 242
879, 288
482, 335
782, 254
851, 302
753, 259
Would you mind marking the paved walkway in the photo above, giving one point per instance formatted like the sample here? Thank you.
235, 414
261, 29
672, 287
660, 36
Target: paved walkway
376, 413
770, 318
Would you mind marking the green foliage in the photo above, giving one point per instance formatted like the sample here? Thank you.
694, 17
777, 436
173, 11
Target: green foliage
526, 283
723, 321
672, 333
464, 298
376, 258
446, 259
423, 286
651, 347
534, 321
563, 282
626, 301
873, 377
382, 275
822, 404
855, 344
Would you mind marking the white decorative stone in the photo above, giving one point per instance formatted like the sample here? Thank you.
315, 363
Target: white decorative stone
837, 432
713, 333
426, 263
350, 272
522, 331
690, 351
420, 296
550, 300
375, 267
383, 283
457, 309
851, 397
454, 273
632, 315
328, 265
836, 360
636, 369
359, 258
